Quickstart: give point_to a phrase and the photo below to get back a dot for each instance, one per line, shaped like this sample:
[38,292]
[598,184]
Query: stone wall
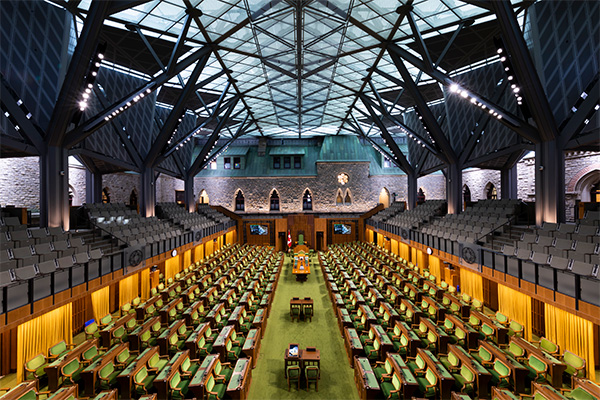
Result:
[120,186]
[20,182]
[478,179]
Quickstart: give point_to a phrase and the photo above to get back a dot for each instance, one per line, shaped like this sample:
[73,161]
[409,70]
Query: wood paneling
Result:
[18,314]
[43,304]
[537,317]
[490,293]
[528,288]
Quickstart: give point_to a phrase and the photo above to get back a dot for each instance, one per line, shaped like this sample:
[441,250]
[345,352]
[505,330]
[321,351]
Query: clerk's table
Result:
[301,267]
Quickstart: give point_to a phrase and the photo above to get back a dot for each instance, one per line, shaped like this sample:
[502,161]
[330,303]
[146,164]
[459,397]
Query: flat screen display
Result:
[259,230]
[342,229]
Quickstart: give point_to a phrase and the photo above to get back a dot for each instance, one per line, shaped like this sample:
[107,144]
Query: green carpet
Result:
[337,378]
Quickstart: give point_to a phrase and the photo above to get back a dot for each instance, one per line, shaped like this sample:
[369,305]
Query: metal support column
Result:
[93,187]
[190,203]
[549,183]
[411,187]
[454,188]
[148,196]
[54,187]
[508,182]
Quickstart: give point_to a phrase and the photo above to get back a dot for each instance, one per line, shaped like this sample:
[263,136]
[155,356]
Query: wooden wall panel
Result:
[43,304]
[336,238]
[260,240]
[321,226]
[281,225]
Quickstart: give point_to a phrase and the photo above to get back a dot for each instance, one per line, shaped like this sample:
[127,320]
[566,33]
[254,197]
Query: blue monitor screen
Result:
[342,229]
[259,230]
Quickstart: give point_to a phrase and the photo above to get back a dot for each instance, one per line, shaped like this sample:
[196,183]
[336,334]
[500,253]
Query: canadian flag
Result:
[289,240]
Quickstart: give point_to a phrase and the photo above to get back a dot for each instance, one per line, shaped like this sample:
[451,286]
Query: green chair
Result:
[35,367]
[182,331]
[515,329]
[448,326]
[517,351]
[465,379]
[484,357]
[106,320]
[579,394]
[417,365]
[501,318]
[575,364]
[451,362]
[90,355]
[500,374]
[119,335]
[428,384]
[146,339]
[178,388]
[215,390]
[189,367]
[549,347]
[312,374]
[107,376]
[383,368]
[58,350]
[232,352]
[308,313]
[431,341]
[460,336]
[70,372]
[130,325]
[372,350]
[223,371]
[125,308]
[124,358]
[293,375]
[157,362]
[204,348]
[91,331]
[143,382]
[295,311]
[538,368]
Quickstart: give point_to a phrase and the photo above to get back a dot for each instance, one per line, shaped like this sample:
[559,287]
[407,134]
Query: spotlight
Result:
[502,58]
[454,88]
[499,51]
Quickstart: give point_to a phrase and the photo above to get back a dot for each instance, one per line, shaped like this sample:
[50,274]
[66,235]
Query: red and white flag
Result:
[289,240]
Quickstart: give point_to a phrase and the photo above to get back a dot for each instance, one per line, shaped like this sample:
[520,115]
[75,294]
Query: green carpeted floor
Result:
[337,378]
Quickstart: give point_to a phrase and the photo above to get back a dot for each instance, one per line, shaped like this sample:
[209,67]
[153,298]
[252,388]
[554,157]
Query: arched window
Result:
[384,197]
[347,199]
[339,201]
[203,199]
[466,194]
[274,201]
[133,199]
[105,195]
[239,201]
[490,191]
[307,201]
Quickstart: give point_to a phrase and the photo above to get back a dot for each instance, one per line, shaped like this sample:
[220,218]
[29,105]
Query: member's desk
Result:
[442,338]
[24,390]
[355,299]
[375,298]
[546,392]
[365,284]
[189,294]
[239,383]
[125,378]
[434,309]
[310,354]
[141,310]
[414,342]
[198,383]
[393,295]
[164,338]
[410,312]
[337,302]
[482,375]
[228,298]
[366,315]
[587,385]
[344,319]
[301,268]
[108,395]
[107,333]
[169,311]
[66,393]
[354,347]
[365,379]
[161,382]
[220,343]
[90,373]
[445,379]
[503,394]
[234,317]
[260,321]
[170,291]
[134,337]
[53,370]
[209,297]
[471,335]
[195,337]
[500,332]
[555,367]
[408,380]
[215,314]
[413,293]
[193,312]
[251,345]
[388,313]
[301,303]
[519,372]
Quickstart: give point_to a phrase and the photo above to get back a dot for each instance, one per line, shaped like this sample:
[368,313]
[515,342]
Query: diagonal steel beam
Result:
[175,115]
[422,48]
[388,139]
[90,126]
[591,139]
[122,5]
[485,4]
[65,105]
[181,39]
[358,129]
[202,157]
[240,131]
[584,111]
[428,118]
[524,68]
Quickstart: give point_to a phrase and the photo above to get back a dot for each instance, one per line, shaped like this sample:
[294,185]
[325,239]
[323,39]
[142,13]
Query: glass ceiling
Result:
[298,65]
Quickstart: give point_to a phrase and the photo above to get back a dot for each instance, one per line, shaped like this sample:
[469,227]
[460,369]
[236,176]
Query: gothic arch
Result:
[73,196]
[490,192]
[274,200]
[239,201]
[339,200]
[466,194]
[106,195]
[384,197]
[347,198]
[585,183]
[307,200]
[203,197]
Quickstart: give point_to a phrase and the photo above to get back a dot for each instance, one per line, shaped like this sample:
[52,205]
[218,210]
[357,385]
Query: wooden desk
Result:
[302,303]
[365,284]
[547,392]
[500,332]
[239,383]
[388,313]
[169,311]
[187,292]
[445,379]
[53,370]
[370,318]
[503,394]
[209,296]
[260,322]
[385,343]
[265,302]
[161,382]
[247,297]
[135,343]
[228,298]
[166,293]
[219,345]
[409,382]
[338,302]
[303,356]
[214,314]
[301,267]
[472,336]
[439,311]
[90,373]
[192,341]
[356,299]
[413,293]
[66,393]
[555,367]
[141,310]
[375,297]
[251,345]
[481,374]
[221,283]
[125,378]
[393,295]
[196,307]
[353,345]
[238,284]
[587,385]
[198,382]
[519,372]
[108,395]
[382,282]
[21,390]
[443,338]
[163,339]
[410,312]
[106,334]
[365,379]
[234,317]
[414,342]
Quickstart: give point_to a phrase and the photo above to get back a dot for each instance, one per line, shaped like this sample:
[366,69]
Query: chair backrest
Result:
[57,348]
[174,381]
[69,368]
[453,359]
[421,364]
[537,364]
[516,350]
[186,364]
[210,384]
[123,356]
[431,377]
[432,337]
[516,327]
[485,354]
[574,362]
[106,370]
[146,335]
[501,368]
[35,362]
[90,353]
[549,346]
[91,328]
[140,375]
[467,373]
[106,319]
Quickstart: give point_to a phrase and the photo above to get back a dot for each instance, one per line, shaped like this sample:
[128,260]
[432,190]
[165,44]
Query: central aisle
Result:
[337,378]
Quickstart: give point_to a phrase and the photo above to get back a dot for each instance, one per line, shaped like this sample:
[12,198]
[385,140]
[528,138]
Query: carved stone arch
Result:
[586,184]
[203,197]
[348,198]
[490,192]
[339,199]
[239,200]
[384,197]
[274,200]
[307,200]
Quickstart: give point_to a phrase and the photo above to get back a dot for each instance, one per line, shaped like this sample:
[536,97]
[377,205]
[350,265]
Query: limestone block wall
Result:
[478,179]
[20,182]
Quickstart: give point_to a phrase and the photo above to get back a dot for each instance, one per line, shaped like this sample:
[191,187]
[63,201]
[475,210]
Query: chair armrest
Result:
[379,363]
[395,391]
[228,364]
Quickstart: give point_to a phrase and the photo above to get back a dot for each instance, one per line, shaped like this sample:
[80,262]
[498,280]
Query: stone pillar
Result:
[190,203]
[454,188]
[93,185]
[549,183]
[508,182]
[148,195]
[411,180]
[54,188]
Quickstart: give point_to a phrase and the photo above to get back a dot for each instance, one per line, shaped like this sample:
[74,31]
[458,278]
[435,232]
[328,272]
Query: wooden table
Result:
[239,383]
[125,378]
[314,356]
[140,311]
[198,381]
[260,321]
[107,332]
[500,332]
[219,345]
[301,267]
[134,337]
[409,382]
[251,346]
[22,389]
[90,373]
[519,372]
[163,339]
[307,301]
[445,379]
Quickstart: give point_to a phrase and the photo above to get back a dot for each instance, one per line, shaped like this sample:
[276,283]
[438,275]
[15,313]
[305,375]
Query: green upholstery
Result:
[448,326]
[189,368]
[515,328]
[125,308]
[119,335]
[70,371]
[503,319]
[372,351]
[204,348]
[312,374]
[91,331]
[182,331]
[131,324]
[581,394]
[90,355]
[223,370]
[293,375]
[156,328]
[107,319]
[488,331]
[517,351]
[150,310]
[460,335]
[136,302]
[431,341]
[215,390]
[428,384]
[422,332]
[142,381]
[466,379]
[392,387]
[300,239]
[157,363]
[401,346]
[57,350]
[539,367]
[382,368]
[233,352]
[500,374]
[124,358]
[484,356]
[548,346]
[474,321]
[451,362]
[178,388]
[108,376]
[575,364]
[35,367]
[417,365]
